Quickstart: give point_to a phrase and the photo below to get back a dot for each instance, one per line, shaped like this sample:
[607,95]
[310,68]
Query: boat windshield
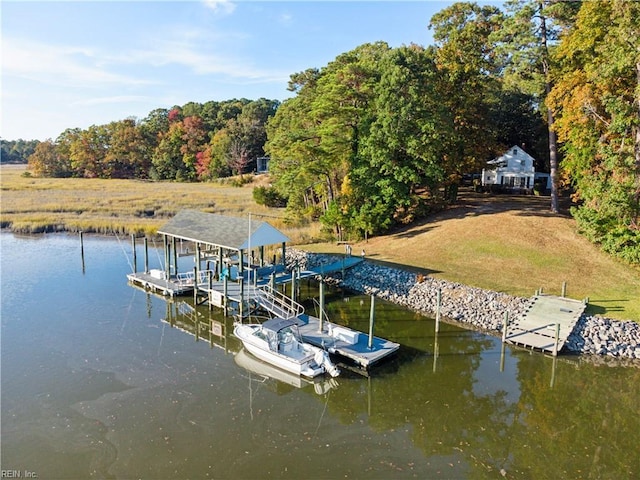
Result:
[289,334]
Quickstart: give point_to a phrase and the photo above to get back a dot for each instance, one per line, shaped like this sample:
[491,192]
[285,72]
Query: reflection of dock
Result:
[546,324]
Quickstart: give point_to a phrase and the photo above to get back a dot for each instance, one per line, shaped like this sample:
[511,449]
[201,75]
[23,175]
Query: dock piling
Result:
[225,289]
[557,340]
[321,322]
[135,257]
[564,289]
[505,324]
[372,320]
[438,307]
[82,250]
[146,255]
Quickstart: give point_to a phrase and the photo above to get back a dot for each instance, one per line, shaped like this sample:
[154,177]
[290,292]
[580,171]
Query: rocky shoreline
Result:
[474,308]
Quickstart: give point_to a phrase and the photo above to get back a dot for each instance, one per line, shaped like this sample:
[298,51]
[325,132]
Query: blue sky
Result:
[77,64]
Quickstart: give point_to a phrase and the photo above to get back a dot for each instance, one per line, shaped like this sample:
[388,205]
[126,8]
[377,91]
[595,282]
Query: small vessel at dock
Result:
[278,342]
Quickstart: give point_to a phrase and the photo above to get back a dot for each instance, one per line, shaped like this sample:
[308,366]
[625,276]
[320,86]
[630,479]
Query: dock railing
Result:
[277,303]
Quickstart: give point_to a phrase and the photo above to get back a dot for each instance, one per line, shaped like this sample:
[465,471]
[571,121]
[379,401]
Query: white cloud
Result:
[224,7]
[57,64]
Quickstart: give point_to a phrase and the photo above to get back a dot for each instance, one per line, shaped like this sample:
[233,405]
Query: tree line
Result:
[382,136]
[193,142]
[16,151]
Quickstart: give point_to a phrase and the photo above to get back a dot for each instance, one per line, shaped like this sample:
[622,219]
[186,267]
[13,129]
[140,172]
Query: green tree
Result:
[167,161]
[405,143]
[466,58]
[315,137]
[16,151]
[218,152]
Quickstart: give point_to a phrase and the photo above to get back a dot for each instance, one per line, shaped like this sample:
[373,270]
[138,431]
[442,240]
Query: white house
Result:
[514,170]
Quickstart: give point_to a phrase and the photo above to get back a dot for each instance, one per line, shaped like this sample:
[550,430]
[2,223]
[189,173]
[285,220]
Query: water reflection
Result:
[100,379]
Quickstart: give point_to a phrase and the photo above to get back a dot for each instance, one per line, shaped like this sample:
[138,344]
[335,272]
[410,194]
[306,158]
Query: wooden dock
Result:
[345,342]
[546,324]
[155,281]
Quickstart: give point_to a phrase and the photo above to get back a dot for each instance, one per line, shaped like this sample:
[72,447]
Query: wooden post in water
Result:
[505,324]
[133,249]
[557,339]
[146,255]
[241,296]
[436,351]
[225,301]
[195,285]
[293,283]
[82,250]
[165,243]
[564,289]
[175,255]
[210,278]
[502,352]
[438,306]
[372,312]
[321,324]
[198,258]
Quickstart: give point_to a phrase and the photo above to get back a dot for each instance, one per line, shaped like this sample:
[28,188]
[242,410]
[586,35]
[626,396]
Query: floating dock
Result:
[156,281]
[546,324]
[345,342]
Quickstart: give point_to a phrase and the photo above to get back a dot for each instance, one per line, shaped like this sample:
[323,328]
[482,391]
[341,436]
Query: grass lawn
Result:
[513,245]
[505,243]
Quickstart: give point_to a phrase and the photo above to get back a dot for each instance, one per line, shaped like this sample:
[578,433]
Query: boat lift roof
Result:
[277,324]
[222,231]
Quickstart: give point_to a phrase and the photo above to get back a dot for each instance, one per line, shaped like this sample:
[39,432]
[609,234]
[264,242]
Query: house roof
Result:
[222,231]
[502,158]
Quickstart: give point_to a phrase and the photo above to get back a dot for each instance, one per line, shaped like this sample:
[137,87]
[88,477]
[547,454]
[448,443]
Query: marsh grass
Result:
[115,206]
[516,249]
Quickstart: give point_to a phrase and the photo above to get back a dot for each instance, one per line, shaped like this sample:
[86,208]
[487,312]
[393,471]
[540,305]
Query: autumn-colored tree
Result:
[527,40]
[88,151]
[127,155]
[45,161]
[598,97]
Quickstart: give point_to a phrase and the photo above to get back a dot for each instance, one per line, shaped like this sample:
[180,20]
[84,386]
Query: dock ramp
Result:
[546,325]
[276,303]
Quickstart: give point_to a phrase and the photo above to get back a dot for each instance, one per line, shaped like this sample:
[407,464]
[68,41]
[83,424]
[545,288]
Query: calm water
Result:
[102,380]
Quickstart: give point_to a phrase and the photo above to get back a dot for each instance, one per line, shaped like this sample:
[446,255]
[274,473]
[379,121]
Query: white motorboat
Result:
[278,342]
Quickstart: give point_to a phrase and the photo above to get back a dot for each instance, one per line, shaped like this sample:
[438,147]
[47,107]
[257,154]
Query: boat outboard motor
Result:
[322,358]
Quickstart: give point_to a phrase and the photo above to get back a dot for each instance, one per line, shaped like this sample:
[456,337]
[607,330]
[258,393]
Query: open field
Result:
[503,243]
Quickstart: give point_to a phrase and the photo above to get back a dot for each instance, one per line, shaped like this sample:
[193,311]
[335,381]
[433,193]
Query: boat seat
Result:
[346,335]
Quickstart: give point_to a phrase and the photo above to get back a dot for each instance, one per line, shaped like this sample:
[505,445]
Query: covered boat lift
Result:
[226,241]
